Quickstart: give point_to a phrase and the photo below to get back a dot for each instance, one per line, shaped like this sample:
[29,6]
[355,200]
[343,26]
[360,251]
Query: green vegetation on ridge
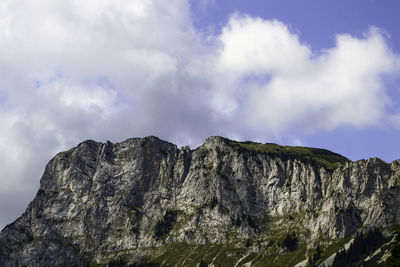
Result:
[321,157]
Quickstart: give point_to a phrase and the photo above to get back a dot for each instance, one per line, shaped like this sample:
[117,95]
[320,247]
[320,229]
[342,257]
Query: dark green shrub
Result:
[290,242]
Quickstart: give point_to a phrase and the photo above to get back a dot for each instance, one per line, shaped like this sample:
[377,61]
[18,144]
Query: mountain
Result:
[144,202]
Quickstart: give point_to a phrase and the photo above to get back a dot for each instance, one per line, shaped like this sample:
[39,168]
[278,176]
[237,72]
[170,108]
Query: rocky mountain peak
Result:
[215,141]
[143,200]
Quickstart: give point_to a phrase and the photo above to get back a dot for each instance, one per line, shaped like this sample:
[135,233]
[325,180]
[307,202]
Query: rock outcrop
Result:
[146,201]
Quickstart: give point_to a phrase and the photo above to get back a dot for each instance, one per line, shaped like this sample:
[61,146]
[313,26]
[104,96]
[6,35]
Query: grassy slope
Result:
[321,157]
[270,251]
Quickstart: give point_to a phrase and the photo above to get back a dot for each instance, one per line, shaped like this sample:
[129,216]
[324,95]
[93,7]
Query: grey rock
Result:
[101,199]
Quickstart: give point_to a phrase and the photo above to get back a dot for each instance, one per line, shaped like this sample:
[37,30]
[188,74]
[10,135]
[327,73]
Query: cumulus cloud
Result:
[289,87]
[100,69]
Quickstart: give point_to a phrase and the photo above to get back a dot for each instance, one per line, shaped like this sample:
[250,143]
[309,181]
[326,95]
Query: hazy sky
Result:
[301,72]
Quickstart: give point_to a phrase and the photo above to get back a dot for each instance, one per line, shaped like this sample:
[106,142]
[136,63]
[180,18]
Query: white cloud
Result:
[101,69]
[256,46]
[290,88]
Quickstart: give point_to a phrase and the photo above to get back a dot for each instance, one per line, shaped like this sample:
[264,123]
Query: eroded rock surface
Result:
[101,201]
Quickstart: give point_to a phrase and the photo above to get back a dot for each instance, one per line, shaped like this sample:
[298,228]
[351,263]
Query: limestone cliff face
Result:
[101,201]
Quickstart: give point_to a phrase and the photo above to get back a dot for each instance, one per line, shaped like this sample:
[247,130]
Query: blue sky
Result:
[314,73]
[317,22]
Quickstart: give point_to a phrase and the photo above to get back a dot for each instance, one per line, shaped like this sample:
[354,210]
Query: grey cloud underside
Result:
[99,200]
